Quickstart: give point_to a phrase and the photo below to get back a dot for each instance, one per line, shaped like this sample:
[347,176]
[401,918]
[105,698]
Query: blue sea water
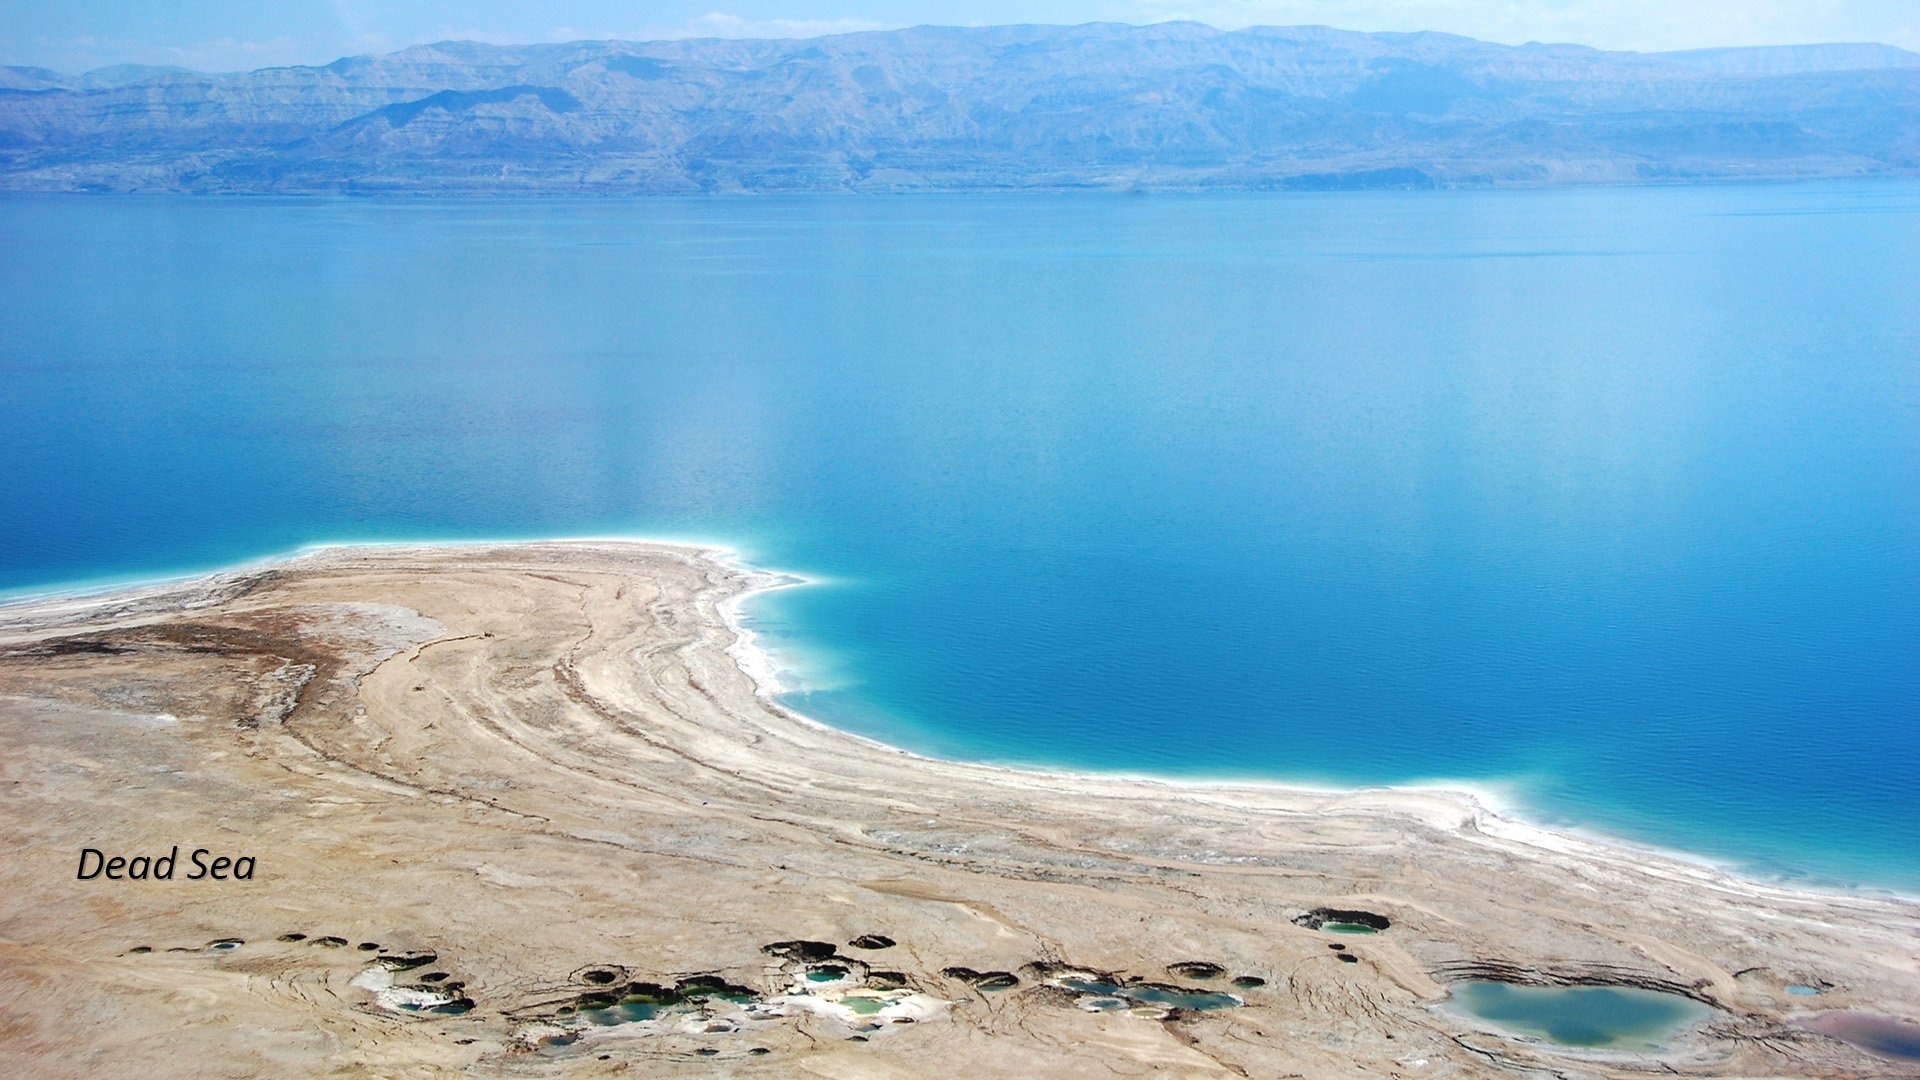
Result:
[1609,498]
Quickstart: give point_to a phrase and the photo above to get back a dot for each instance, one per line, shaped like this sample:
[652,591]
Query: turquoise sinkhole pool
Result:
[625,1012]
[1596,1017]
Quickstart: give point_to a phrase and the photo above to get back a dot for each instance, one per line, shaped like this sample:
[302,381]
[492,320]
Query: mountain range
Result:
[1167,106]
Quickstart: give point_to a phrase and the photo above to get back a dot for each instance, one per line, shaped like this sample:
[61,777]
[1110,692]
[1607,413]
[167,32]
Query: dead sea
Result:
[520,810]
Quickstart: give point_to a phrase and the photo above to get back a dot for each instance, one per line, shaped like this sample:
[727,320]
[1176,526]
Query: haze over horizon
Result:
[1112,106]
[229,35]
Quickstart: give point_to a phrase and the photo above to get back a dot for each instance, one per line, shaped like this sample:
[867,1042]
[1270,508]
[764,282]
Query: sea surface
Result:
[1607,500]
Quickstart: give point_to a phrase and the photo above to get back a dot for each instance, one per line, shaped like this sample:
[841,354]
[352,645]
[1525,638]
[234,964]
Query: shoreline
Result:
[1479,801]
[518,773]
[1479,798]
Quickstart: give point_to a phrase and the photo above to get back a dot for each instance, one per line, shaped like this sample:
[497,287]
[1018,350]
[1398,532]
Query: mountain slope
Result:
[1171,105]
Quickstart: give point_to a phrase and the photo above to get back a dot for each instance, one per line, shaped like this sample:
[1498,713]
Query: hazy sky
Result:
[73,35]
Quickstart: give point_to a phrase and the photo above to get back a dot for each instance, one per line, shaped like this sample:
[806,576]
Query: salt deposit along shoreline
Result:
[549,767]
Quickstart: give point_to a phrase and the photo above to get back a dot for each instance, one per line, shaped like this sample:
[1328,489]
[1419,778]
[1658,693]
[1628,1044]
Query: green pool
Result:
[1609,1017]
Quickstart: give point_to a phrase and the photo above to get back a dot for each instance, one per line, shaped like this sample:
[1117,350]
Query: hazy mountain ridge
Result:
[1172,105]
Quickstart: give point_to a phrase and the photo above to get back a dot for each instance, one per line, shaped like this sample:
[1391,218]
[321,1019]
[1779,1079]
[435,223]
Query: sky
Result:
[233,35]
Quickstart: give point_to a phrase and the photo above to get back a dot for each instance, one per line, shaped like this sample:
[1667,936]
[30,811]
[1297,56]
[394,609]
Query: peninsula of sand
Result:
[519,810]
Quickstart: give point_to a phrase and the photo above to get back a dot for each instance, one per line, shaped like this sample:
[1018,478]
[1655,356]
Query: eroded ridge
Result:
[519,810]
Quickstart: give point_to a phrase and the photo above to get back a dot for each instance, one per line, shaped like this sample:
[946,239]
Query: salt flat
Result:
[496,793]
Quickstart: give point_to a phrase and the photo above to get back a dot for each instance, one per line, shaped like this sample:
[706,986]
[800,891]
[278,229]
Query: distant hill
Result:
[1795,59]
[1174,105]
[31,78]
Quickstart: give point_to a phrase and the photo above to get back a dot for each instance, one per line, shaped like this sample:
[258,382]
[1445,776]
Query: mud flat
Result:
[519,811]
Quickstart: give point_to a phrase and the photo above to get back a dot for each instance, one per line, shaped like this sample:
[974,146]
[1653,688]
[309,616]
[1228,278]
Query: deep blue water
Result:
[1610,497]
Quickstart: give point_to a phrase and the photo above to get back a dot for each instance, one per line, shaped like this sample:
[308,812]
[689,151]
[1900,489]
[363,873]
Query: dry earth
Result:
[481,785]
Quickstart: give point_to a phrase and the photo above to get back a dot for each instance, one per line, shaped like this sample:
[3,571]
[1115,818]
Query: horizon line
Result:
[696,38]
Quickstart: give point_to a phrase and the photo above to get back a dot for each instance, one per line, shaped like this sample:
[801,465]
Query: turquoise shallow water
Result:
[1608,498]
[1599,1017]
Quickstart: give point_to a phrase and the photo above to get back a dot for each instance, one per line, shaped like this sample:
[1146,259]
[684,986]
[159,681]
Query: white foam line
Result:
[1489,808]
[747,652]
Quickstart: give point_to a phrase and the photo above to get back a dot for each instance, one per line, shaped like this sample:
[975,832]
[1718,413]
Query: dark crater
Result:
[408,961]
[872,941]
[801,950]
[982,980]
[643,993]
[1046,969]
[695,987]
[1196,969]
[1320,917]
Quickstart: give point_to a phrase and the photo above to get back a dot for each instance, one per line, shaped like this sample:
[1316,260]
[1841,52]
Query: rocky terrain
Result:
[1021,107]
[519,811]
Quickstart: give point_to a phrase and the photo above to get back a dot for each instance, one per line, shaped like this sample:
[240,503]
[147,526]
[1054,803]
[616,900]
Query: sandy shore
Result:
[482,786]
